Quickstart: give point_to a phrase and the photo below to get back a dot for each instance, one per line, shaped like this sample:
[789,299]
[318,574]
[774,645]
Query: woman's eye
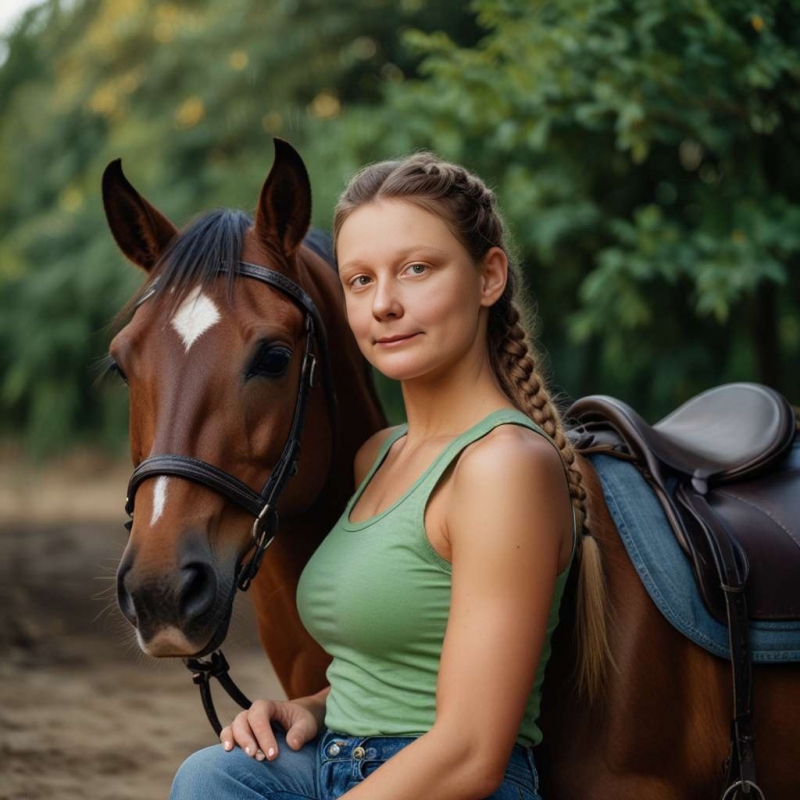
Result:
[271,362]
[357,280]
[412,268]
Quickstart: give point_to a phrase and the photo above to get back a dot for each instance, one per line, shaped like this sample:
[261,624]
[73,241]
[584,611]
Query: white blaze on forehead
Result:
[197,313]
[159,499]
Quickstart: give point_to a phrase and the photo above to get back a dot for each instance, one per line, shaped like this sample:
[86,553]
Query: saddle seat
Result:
[726,432]
[732,445]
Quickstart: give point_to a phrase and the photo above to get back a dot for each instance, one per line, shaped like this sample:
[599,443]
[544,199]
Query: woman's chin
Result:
[410,375]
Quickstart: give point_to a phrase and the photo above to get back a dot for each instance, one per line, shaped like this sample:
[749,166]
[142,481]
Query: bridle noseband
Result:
[261,505]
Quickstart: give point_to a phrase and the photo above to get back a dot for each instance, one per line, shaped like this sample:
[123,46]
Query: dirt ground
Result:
[83,713]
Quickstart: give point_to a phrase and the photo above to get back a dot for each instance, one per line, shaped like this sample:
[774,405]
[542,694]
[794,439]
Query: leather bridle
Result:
[261,505]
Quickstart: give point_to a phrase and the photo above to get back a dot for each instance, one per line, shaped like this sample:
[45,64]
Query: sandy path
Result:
[83,714]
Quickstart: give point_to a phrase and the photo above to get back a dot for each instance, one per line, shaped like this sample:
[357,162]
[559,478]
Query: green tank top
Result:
[376,596]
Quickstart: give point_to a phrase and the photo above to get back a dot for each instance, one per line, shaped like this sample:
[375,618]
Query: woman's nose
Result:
[385,301]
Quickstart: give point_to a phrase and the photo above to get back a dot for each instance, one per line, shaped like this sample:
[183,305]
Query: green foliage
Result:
[189,95]
[645,153]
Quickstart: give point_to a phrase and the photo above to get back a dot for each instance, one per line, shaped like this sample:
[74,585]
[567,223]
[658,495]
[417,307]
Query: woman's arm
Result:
[509,513]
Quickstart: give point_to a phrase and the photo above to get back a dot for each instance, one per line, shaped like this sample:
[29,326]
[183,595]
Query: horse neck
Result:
[359,408]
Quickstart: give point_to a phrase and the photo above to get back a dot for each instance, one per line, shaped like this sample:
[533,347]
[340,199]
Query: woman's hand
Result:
[252,729]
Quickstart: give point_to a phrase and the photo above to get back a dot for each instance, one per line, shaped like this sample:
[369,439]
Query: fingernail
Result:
[248,750]
[271,752]
[227,745]
[260,755]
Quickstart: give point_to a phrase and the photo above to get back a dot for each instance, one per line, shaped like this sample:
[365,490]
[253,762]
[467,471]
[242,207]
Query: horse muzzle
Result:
[183,611]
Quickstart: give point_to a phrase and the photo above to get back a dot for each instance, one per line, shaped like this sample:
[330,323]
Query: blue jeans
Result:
[325,768]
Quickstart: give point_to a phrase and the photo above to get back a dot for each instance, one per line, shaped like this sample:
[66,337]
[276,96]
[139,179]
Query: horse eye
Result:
[271,361]
[114,367]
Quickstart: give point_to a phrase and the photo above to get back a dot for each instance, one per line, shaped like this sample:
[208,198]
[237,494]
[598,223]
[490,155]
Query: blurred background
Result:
[646,154]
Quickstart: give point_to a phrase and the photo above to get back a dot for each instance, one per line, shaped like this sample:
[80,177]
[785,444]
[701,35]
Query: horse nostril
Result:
[197,590]
[124,599]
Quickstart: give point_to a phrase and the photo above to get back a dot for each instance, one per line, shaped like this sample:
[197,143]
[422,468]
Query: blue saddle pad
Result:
[667,573]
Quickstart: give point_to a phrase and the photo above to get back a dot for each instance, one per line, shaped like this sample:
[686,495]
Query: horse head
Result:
[213,361]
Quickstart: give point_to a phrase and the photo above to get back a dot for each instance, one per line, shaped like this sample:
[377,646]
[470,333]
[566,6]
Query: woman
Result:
[438,589]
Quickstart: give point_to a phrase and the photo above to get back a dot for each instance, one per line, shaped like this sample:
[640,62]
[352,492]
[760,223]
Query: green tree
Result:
[189,96]
[647,155]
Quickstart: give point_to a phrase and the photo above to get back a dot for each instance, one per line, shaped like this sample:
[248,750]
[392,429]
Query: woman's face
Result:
[406,275]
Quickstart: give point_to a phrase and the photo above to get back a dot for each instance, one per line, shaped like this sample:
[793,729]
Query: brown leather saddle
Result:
[724,470]
[730,444]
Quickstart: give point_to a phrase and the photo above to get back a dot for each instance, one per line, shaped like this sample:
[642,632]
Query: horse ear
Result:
[140,229]
[284,207]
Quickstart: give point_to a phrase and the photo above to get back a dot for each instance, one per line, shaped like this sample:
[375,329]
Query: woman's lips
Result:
[396,342]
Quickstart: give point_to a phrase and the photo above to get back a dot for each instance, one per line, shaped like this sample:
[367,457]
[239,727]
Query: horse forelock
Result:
[192,261]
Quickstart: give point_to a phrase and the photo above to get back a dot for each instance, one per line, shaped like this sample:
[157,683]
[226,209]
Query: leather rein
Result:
[261,505]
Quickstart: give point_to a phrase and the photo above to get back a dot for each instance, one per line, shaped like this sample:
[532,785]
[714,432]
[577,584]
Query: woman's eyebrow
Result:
[399,255]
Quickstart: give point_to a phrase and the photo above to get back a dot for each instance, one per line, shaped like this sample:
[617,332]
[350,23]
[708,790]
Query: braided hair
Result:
[469,209]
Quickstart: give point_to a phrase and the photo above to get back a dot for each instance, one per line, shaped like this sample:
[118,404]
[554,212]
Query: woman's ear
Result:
[494,274]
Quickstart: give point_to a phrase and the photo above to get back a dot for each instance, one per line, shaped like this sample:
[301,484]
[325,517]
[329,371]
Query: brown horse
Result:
[661,730]
[205,381]
[213,363]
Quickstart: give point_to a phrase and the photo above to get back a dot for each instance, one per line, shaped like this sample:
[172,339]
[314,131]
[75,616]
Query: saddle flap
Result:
[670,577]
[764,515]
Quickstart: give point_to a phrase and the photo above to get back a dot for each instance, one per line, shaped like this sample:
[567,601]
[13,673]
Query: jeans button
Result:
[333,750]
[358,752]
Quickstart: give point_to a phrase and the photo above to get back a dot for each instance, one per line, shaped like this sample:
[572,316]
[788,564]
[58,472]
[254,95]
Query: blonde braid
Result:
[514,364]
[514,358]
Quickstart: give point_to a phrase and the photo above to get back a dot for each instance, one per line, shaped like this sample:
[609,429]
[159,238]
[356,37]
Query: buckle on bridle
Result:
[310,365]
[264,529]
[259,526]
[743,787]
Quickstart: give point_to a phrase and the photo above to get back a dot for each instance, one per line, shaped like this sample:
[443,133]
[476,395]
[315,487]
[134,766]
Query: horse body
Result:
[661,729]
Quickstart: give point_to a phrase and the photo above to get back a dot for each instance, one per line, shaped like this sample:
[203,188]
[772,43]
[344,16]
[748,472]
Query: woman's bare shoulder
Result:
[513,474]
[514,442]
[514,457]
[368,452]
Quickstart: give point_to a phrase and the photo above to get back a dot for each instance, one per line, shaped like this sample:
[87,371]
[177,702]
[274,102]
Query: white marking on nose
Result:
[169,641]
[159,498]
[195,316]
